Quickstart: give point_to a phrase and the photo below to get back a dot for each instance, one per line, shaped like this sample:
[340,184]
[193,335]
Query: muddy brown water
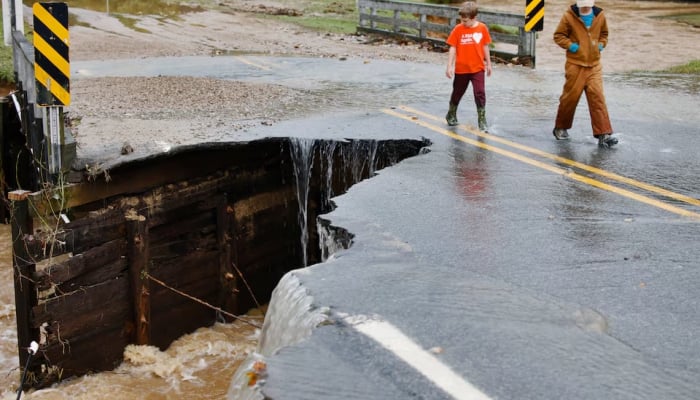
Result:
[197,366]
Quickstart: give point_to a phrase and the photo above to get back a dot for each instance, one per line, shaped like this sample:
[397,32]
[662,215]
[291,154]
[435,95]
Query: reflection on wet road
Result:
[412,115]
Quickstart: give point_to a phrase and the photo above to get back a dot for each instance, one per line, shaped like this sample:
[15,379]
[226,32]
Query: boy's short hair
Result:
[468,9]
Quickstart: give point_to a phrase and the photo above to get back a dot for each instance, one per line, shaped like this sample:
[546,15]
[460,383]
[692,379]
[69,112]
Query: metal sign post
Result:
[12,19]
[53,129]
[52,74]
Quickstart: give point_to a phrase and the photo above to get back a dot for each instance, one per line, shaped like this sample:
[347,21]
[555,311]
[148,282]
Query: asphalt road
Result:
[504,265]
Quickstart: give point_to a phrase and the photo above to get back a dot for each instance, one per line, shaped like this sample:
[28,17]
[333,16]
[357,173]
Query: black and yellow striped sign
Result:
[534,15]
[51,43]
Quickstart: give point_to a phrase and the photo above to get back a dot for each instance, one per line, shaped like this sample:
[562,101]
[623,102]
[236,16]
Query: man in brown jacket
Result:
[583,33]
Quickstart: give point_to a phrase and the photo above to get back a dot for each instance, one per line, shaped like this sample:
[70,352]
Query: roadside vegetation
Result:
[692,68]
[7,68]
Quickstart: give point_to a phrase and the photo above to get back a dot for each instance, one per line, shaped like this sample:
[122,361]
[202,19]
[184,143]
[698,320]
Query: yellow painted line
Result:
[547,167]
[563,160]
[246,61]
[52,55]
[57,90]
[52,23]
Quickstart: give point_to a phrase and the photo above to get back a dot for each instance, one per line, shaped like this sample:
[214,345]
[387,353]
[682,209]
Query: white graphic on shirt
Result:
[471,38]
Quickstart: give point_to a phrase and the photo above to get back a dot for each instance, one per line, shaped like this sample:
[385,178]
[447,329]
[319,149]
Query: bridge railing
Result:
[432,23]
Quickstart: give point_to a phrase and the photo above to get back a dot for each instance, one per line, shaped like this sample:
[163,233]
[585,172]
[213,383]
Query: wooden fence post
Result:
[139,257]
[417,21]
[23,269]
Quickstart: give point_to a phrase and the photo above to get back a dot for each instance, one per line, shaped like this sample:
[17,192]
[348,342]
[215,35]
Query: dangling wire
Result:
[33,347]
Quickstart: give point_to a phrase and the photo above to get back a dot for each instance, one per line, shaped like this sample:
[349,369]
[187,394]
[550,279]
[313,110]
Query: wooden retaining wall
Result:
[433,23]
[195,221]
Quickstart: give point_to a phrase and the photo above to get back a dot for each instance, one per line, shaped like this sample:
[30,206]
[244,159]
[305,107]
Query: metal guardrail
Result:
[432,23]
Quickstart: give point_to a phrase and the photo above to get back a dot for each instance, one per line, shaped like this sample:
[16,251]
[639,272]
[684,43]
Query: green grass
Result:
[322,24]
[690,19]
[692,68]
[7,69]
[511,30]
[136,7]
[334,16]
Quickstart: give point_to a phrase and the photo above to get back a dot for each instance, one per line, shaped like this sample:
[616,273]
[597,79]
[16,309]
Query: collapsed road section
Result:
[156,248]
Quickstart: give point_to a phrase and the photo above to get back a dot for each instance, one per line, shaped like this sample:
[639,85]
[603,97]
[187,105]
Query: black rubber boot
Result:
[451,116]
[606,141]
[481,112]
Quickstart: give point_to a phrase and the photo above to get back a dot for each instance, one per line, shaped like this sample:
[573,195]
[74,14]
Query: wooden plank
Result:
[113,270]
[80,264]
[78,235]
[164,299]
[168,324]
[85,306]
[267,225]
[248,206]
[185,224]
[65,327]
[413,8]
[178,165]
[181,273]
[97,351]
[172,250]
[170,214]
[505,38]
[23,269]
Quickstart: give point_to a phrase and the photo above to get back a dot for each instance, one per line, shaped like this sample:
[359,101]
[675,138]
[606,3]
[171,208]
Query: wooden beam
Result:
[23,269]
[138,254]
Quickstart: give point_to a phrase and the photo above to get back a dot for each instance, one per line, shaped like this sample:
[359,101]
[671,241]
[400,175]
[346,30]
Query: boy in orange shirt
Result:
[469,60]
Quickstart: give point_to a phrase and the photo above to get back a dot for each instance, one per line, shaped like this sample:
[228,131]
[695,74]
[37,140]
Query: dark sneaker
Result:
[560,134]
[606,141]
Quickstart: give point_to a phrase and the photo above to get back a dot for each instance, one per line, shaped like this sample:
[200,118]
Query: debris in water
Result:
[258,372]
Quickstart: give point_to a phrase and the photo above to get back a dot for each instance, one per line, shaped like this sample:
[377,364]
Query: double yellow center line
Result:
[260,65]
[420,118]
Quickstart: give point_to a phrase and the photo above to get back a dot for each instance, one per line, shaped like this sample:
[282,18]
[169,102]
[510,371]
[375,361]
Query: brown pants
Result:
[578,80]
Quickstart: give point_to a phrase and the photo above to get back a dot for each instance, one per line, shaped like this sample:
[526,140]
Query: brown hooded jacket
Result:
[571,29]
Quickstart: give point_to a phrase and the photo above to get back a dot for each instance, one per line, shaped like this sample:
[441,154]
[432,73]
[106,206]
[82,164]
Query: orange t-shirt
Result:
[469,43]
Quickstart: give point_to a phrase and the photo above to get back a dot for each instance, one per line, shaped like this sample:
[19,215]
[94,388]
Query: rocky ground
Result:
[141,111]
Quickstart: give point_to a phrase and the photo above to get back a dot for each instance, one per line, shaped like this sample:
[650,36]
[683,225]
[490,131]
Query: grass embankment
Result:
[691,68]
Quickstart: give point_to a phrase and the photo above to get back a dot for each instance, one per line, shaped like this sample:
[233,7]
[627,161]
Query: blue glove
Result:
[600,47]
[573,47]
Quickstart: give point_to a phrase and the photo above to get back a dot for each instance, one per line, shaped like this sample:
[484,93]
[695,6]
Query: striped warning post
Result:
[51,44]
[534,15]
